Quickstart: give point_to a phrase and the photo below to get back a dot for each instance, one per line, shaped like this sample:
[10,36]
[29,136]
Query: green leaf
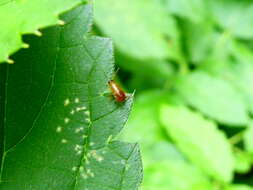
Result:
[143,125]
[135,29]
[229,14]
[198,44]
[174,175]
[206,46]
[193,10]
[27,17]
[214,97]
[240,72]
[200,140]
[243,161]
[239,187]
[234,66]
[159,68]
[58,127]
[248,141]
[164,165]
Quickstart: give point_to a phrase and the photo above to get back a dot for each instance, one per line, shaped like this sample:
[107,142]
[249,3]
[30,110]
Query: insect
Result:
[118,93]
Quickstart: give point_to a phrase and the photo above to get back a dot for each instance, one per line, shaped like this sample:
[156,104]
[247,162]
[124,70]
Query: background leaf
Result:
[200,140]
[234,12]
[211,95]
[148,39]
[158,177]
[239,187]
[190,9]
[28,17]
[164,165]
[248,141]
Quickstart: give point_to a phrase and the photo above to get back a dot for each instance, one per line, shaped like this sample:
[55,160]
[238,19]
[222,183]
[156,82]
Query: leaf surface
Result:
[239,187]
[199,140]
[62,134]
[164,165]
[27,17]
[135,29]
[190,9]
[247,138]
[229,15]
[214,97]
[169,174]
[240,72]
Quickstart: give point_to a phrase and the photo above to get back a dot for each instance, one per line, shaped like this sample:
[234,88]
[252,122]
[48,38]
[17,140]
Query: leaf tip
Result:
[37,33]
[25,46]
[61,22]
[10,61]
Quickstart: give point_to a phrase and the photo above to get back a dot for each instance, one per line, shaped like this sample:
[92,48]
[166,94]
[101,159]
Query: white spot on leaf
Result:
[66,120]
[66,102]
[77,100]
[72,112]
[81,108]
[58,129]
[77,130]
[87,113]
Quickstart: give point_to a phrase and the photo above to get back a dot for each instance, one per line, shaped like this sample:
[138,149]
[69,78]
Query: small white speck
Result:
[58,129]
[92,143]
[80,108]
[60,22]
[92,174]
[87,162]
[100,159]
[37,33]
[77,100]
[66,120]
[72,112]
[127,166]
[24,45]
[78,147]
[81,168]
[10,61]
[79,152]
[109,139]
[84,176]
[95,155]
[66,102]
[88,120]
[77,130]
[87,113]
[74,168]
[84,136]
[64,141]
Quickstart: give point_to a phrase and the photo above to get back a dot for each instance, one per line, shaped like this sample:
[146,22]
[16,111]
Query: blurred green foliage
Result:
[191,62]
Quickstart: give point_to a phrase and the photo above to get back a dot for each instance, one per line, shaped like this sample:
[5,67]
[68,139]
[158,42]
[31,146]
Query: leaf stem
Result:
[236,138]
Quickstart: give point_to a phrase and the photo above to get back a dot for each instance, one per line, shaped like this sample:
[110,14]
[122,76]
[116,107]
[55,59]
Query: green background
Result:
[191,64]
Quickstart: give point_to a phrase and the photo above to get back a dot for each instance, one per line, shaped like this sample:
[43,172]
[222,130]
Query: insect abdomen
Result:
[118,93]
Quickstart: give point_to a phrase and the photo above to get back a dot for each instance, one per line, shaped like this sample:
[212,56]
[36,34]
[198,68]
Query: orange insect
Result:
[118,93]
